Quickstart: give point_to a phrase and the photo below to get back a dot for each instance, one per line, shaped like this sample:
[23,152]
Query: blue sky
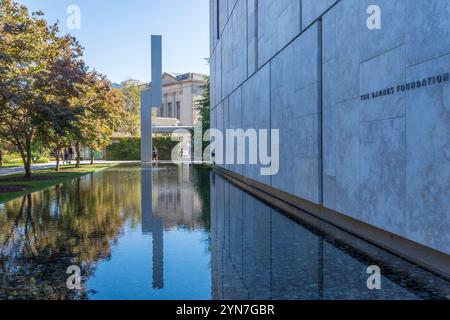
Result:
[116,33]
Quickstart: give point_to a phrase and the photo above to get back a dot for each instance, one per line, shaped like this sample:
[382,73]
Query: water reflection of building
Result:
[259,253]
[168,201]
[175,200]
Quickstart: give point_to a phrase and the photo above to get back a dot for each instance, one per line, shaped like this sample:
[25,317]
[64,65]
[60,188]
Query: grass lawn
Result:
[11,165]
[13,186]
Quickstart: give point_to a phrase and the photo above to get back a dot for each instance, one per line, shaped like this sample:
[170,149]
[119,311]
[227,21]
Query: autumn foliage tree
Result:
[101,116]
[62,85]
[46,91]
[26,45]
[131,120]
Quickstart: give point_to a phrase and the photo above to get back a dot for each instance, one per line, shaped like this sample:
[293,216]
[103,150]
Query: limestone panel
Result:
[384,72]
[212,25]
[344,42]
[216,75]
[212,81]
[428,154]
[347,156]
[234,46]
[252,40]
[220,152]
[213,119]
[341,94]
[226,125]
[329,122]
[382,162]
[313,9]
[231,5]
[278,24]
[427,30]
[238,21]
[394,23]
[235,123]
[295,112]
[227,60]
[222,14]
[256,113]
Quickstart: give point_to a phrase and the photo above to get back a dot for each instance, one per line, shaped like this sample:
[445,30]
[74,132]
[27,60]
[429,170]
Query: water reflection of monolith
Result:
[152,225]
[158,253]
[146,200]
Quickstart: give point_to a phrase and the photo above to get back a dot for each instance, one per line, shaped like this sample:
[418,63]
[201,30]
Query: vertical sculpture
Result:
[156,71]
[151,224]
[151,99]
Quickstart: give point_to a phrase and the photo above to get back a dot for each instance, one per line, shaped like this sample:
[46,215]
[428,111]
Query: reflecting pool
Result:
[182,232]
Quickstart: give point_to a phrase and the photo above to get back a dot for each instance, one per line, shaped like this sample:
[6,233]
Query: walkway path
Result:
[14,170]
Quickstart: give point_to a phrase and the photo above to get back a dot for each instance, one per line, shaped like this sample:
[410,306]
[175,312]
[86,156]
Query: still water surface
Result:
[184,233]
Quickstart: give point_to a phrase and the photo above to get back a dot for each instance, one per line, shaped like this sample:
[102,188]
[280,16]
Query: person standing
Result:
[155,154]
[65,156]
[1,159]
[70,154]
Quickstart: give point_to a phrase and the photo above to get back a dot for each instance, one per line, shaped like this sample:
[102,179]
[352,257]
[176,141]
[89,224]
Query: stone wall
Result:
[313,70]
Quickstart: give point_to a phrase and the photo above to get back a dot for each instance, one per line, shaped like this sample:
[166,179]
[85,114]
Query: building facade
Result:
[363,111]
[181,92]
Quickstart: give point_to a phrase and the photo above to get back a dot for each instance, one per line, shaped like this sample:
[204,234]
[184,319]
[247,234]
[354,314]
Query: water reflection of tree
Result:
[201,182]
[72,224]
[201,176]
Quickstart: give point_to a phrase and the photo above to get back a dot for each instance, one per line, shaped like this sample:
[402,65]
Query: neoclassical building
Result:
[181,92]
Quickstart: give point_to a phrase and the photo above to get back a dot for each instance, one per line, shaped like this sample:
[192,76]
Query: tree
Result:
[131,97]
[46,91]
[55,141]
[204,108]
[63,83]
[37,76]
[101,115]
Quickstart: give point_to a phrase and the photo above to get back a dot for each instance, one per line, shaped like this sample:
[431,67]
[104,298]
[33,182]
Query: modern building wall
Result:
[305,67]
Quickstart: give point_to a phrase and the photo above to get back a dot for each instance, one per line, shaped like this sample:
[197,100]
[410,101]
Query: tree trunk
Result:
[57,154]
[92,156]
[27,167]
[77,149]
[26,158]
